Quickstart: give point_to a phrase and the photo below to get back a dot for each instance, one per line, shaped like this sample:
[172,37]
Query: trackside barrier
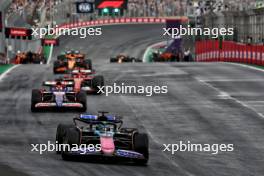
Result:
[211,51]
[118,21]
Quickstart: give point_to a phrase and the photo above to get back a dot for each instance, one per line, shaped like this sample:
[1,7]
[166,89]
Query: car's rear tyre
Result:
[72,138]
[61,133]
[88,64]
[137,60]
[113,60]
[35,98]
[141,145]
[81,97]
[98,81]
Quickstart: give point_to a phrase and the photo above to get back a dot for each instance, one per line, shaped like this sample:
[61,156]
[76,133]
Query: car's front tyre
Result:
[141,145]
[35,98]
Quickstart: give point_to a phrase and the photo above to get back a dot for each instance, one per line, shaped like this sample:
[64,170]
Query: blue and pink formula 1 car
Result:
[105,132]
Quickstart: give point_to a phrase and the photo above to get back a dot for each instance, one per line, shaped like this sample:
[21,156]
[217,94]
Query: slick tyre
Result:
[98,81]
[71,138]
[141,145]
[35,98]
[138,60]
[81,97]
[112,60]
[61,133]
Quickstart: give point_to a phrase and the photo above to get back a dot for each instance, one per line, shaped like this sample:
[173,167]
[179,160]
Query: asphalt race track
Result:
[206,103]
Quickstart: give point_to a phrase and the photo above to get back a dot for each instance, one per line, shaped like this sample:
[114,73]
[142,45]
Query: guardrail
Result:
[117,21]
[229,51]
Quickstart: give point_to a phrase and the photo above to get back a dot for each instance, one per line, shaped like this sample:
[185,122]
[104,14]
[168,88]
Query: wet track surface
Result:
[206,103]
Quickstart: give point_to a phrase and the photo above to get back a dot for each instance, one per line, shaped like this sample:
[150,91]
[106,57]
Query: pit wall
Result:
[229,51]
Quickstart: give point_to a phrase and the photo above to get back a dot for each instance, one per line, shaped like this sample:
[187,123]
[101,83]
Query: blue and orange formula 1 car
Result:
[71,60]
[58,97]
[84,80]
[105,131]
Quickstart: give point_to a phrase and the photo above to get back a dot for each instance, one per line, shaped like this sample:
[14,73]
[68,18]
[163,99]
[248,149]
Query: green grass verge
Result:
[257,66]
[5,67]
[46,51]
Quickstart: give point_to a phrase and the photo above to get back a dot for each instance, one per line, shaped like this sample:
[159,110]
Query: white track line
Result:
[232,80]
[2,76]
[50,54]
[248,66]
[227,96]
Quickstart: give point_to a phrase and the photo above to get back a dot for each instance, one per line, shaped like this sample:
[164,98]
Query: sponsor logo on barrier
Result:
[84,7]
[13,32]
[100,4]
[45,42]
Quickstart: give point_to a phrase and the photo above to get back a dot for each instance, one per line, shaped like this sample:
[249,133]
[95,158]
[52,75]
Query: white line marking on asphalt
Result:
[231,98]
[232,80]
[156,140]
[248,66]
[255,101]
[2,76]
[50,54]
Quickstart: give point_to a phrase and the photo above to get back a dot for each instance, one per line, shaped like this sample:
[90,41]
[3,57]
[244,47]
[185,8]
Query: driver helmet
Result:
[59,85]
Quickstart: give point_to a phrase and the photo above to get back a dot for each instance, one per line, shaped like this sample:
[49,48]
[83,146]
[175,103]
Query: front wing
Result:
[118,154]
[43,105]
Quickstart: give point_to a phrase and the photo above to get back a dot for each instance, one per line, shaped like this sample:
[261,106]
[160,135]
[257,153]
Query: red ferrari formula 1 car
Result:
[58,97]
[71,60]
[83,80]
